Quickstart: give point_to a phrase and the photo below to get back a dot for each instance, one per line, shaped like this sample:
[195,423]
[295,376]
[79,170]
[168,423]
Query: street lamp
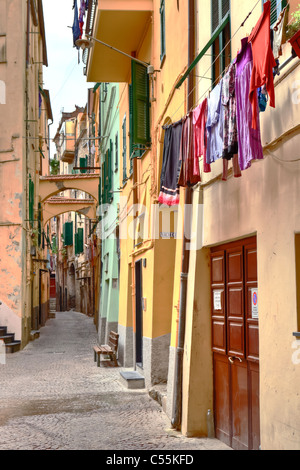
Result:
[87,43]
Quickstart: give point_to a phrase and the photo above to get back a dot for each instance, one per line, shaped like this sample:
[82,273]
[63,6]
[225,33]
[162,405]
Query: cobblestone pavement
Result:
[53,396]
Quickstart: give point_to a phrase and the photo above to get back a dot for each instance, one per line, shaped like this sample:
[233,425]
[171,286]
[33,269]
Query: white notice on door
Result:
[254,302]
[217,300]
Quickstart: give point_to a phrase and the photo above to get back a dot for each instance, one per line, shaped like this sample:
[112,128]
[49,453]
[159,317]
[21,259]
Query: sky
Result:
[64,75]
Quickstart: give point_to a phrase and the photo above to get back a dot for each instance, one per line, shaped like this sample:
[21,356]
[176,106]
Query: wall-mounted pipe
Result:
[177,399]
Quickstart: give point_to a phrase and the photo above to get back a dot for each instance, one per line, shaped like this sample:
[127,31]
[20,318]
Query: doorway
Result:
[235,349]
[138,314]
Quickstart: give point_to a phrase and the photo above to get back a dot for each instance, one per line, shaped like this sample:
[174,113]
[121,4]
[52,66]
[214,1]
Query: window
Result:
[162,30]
[139,108]
[276,7]
[124,149]
[68,233]
[107,190]
[117,152]
[220,58]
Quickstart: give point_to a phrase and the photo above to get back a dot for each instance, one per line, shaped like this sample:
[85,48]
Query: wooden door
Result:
[235,344]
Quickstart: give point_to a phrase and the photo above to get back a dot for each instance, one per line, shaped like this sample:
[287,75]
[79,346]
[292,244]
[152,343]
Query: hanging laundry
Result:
[235,165]
[262,96]
[169,189]
[81,16]
[263,61]
[249,138]
[214,125]
[279,36]
[230,141]
[200,138]
[75,27]
[189,172]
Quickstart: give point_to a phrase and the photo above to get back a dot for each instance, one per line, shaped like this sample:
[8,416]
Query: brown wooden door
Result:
[235,344]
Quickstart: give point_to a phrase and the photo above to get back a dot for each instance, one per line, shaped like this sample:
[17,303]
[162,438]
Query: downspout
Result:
[177,401]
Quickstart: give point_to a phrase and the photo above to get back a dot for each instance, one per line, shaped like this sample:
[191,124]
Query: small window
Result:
[162,30]
[221,48]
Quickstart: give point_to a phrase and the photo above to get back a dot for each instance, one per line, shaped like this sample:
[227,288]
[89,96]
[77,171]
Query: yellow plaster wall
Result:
[264,201]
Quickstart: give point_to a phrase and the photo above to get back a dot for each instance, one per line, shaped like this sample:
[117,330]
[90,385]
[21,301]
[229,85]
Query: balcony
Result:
[68,148]
[121,24]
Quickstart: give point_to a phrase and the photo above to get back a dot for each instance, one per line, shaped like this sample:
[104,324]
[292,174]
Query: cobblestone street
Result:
[53,396]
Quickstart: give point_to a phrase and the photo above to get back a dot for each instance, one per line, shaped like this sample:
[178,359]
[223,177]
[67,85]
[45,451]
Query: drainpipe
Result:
[177,401]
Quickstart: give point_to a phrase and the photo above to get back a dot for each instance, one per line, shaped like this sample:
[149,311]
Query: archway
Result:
[53,185]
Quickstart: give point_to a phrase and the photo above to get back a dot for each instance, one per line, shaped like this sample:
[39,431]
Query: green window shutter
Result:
[110,171]
[83,163]
[100,191]
[31,201]
[76,243]
[140,104]
[80,240]
[131,146]
[116,152]
[124,150]
[276,7]
[162,30]
[68,233]
[40,224]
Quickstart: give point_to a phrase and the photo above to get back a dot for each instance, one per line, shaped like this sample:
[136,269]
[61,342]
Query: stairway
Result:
[11,345]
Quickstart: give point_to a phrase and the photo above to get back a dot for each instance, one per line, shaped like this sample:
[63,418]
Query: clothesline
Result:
[226,124]
[212,64]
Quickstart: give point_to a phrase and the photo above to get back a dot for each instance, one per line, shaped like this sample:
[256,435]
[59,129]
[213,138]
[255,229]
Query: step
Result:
[8,338]
[13,347]
[3,330]
[34,334]
[132,379]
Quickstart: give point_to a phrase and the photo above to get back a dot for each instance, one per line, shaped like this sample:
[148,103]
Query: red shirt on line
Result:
[263,60]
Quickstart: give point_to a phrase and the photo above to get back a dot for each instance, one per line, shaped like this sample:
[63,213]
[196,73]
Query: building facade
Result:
[24,156]
[209,281]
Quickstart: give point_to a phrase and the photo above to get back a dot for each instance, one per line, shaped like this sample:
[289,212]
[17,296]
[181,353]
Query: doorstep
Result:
[132,379]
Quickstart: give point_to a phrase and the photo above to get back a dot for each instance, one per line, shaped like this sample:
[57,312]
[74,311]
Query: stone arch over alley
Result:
[55,206]
[53,185]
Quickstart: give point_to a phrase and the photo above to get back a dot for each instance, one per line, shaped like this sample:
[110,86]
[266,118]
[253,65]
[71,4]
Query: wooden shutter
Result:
[124,150]
[110,171]
[68,233]
[131,144]
[140,103]
[80,240]
[162,30]
[215,16]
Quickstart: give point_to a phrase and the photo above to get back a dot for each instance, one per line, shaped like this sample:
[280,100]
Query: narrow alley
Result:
[54,397]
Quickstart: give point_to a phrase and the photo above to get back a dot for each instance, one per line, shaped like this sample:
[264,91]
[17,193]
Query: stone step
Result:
[3,330]
[12,347]
[8,338]
[132,379]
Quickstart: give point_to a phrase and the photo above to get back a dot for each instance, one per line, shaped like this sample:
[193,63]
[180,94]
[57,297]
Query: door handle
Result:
[231,359]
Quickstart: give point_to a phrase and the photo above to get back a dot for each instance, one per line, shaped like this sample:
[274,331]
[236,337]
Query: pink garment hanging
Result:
[200,137]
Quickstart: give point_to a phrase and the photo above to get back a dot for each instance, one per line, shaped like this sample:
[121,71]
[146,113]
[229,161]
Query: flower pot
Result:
[295,43]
